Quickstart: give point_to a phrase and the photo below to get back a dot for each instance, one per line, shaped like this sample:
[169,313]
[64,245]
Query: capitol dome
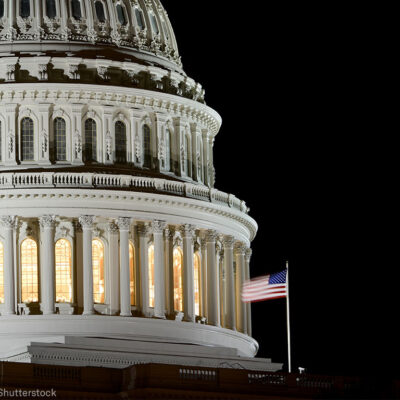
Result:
[115,246]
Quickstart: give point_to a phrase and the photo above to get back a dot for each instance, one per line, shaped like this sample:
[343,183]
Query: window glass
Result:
[178,288]
[63,271]
[29,272]
[154,24]
[90,148]
[121,15]
[197,283]
[51,9]
[27,140]
[25,8]
[120,142]
[76,9]
[98,271]
[60,139]
[139,18]
[151,276]
[132,271]
[1,8]
[101,16]
[147,146]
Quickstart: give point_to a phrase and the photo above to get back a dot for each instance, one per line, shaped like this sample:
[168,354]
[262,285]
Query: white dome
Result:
[133,28]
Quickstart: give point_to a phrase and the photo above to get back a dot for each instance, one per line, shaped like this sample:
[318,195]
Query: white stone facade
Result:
[110,225]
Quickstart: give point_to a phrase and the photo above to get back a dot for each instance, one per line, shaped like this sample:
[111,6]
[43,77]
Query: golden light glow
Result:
[132,272]
[151,276]
[29,271]
[63,271]
[98,271]
[1,273]
[197,283]
[178,289]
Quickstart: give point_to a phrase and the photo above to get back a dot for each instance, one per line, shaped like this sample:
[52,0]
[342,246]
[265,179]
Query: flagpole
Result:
[288,318]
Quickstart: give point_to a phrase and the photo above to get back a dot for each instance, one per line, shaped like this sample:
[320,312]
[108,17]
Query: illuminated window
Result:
[25,8]
[51,10]
[90,149]
[60,140]
[63,271]
[29,271]
[178,289]
[151,276]
[147,146]
[197,283]
[120,142]
[27,140]
[1,273]
[98,271]
[132,273]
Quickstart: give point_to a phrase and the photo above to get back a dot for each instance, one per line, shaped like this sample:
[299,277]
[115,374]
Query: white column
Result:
[114,275]
[187,232]
[241,320]
[87,227]
[159,268]
[9,224]
[169,270]
[212,280]
[143,232]
[230,315]
[10,132]
[204,307]
[77,140]
[47,250]
[124,225]
[247,277]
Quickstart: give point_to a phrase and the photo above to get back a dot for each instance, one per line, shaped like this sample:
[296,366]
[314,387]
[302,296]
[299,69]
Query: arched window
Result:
[151,276]
[29,271]
[178,287]
[120,142]
[98,271]
[76,9]
[51,10]
[63,271]
[140,19]
[1,273]
[27,140]
[1,8]
[101,16]
[147,146]
[121,15]
[60,140]
[90,148]
[132,273]
[25,8]
[154,24]
[197,283]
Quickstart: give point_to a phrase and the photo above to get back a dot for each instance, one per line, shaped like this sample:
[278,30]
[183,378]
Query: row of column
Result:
[236,313]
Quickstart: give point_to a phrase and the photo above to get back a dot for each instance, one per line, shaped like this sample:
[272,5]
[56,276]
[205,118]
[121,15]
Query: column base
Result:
[125,314]
[88,313]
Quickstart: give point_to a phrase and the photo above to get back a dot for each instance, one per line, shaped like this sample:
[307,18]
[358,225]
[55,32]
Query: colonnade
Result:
[224,263]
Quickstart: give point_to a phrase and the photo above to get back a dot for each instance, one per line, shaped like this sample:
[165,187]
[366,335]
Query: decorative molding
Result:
[87,221]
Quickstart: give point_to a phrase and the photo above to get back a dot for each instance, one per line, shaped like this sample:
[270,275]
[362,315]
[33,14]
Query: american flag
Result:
[267,287]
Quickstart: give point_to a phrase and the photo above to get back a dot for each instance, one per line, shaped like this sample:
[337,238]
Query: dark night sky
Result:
[287,82]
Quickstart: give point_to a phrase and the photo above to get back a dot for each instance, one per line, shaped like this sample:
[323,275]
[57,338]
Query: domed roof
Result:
[135,30]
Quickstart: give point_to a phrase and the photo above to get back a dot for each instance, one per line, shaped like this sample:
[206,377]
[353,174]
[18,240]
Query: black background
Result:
[289,81]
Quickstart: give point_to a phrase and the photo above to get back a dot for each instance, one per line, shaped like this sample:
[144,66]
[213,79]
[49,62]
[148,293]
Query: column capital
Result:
[248,254]
[169,233]
[87,221]
[8,221]
[158,226]
[240,248]
[187,230]
[47,221]
[124,223]
[211,236]
[112,227]
[228,241]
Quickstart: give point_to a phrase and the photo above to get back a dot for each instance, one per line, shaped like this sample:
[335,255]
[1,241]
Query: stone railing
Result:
[31,180]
